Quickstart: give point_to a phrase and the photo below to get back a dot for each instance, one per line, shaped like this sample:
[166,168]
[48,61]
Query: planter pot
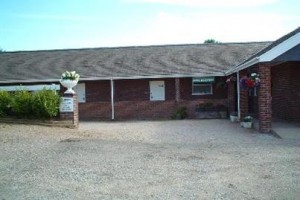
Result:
[69,84]
[223,114]
[233,118]
[246,124]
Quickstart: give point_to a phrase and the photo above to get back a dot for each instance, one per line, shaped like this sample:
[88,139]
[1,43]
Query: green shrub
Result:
[5,101]
[180,113]
[21,103]
[45,104]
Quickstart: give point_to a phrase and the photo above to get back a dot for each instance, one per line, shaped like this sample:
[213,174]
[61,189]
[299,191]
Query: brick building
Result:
[151,82]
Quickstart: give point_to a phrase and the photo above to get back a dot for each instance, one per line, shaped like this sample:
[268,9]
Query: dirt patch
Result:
[189,159]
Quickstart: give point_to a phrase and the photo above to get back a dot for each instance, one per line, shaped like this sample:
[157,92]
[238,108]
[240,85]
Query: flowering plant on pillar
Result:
[250,82]
[69,80]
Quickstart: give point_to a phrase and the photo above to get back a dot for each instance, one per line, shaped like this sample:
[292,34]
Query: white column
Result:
[112,86]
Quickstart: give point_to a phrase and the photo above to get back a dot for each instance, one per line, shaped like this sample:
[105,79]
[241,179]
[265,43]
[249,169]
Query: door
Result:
[157,90]
[80,91]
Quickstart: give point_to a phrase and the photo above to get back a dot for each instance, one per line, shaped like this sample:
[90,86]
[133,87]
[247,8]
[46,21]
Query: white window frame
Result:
[202,84]
[81,95]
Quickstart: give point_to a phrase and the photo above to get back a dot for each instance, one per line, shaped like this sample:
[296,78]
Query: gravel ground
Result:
[189,159]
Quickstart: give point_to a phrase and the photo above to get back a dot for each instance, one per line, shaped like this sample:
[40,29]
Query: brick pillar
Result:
[244,93]
[69,109]
[231,97]
[265,98]
[177,90]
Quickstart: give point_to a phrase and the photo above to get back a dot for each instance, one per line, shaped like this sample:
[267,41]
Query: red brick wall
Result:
[286,91]
[265,98]
[244,104]
[132,99]
[95,110]
[138,90]
[144,109]
[232,96]
[97,91]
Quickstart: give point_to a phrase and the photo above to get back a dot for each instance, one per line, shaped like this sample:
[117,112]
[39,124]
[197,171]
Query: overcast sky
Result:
[60,24]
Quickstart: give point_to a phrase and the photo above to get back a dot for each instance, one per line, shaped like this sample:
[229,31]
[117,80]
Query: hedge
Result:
[23,104]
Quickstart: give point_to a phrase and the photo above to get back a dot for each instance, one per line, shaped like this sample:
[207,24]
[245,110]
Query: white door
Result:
[80,91]
[157,90]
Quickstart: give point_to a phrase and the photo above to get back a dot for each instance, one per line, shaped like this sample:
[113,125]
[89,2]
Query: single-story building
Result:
[150,82]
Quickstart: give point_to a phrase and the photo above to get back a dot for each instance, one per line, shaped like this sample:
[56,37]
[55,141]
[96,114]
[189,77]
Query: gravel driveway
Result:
[189,159]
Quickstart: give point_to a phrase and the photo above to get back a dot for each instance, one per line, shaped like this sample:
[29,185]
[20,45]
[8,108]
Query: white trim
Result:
[202,84]
[245,65]
[280,48]
[30,87]
[112,87]
[32,81]
[118,78]
[270,55]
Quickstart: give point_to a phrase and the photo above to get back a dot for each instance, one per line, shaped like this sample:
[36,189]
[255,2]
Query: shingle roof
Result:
[144,61]
[273,44]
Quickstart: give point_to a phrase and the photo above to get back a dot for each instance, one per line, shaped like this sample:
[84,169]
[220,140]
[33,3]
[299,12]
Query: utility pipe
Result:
[112,86]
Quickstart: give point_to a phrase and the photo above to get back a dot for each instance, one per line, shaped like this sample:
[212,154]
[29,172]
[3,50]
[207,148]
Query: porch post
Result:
[265,98]
[238,94]
[177,90]
[243,101]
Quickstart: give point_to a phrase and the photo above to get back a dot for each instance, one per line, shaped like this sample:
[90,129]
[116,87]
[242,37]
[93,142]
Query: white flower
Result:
[73,73]
[67,75]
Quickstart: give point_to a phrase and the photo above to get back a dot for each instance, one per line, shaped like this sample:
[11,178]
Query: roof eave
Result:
[116,78]
[243,66]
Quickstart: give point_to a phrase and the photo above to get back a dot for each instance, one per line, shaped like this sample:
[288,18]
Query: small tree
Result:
[211,41]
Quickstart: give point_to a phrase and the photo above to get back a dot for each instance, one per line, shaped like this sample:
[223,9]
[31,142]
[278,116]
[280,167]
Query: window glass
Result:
[199,88]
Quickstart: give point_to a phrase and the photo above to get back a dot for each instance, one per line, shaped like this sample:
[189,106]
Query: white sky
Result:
[59,24]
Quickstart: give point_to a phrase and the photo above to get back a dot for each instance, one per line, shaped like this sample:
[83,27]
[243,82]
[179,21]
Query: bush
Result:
[5,101]
[45,104]
[180,113]
[23,104]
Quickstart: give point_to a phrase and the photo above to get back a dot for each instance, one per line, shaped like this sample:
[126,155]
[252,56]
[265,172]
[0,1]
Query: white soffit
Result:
[280,48]
[30,87]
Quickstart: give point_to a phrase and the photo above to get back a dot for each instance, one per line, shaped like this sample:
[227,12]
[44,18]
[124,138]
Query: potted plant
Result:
[250,82]
[69,80]
[234,117]
[247,122]
[222,110]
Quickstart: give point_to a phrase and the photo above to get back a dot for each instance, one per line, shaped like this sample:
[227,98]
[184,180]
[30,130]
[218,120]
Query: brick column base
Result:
[265,99]
[69,114]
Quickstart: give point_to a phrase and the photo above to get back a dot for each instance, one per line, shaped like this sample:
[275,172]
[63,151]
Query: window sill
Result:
[201,94]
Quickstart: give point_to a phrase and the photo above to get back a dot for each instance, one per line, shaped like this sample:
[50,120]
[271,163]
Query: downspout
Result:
[238,94]
[112,86]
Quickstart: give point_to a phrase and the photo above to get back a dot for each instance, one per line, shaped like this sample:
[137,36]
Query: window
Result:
[201,88]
